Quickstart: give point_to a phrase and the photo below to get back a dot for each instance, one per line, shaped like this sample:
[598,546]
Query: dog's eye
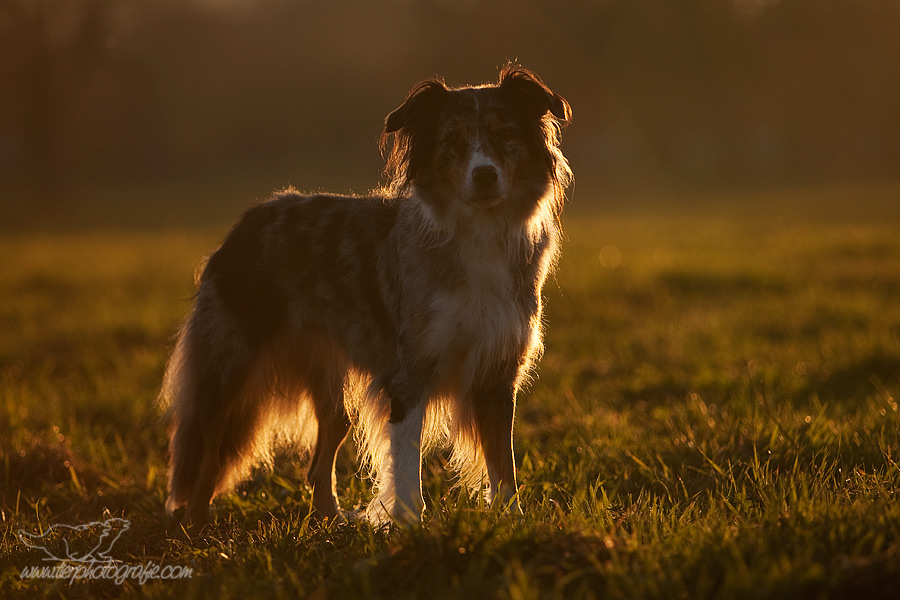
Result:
[507,134]
[455,142]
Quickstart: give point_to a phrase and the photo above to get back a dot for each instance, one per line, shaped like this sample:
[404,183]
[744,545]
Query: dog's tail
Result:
[227,405]
[222,411]
[179,397]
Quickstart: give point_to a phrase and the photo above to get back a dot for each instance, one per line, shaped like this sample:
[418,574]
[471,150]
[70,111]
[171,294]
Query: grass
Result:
[715,417]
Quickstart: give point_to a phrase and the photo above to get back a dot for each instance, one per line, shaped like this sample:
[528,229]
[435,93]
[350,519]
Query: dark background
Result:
[167,106]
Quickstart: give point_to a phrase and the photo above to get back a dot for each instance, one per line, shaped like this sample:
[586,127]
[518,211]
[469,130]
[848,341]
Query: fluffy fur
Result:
[414,312]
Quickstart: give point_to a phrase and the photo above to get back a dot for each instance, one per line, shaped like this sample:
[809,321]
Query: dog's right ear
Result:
[423,102]
[411,125]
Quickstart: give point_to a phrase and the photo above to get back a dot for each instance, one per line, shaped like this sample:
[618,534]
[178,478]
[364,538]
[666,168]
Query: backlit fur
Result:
[414,312]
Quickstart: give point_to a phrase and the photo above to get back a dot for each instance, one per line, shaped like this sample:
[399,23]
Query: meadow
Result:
[715,416]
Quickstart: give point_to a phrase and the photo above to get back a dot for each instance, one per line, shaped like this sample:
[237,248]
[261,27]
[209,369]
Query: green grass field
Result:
[715,417]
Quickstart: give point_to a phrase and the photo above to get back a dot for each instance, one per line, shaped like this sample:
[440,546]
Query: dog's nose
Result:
[485,176]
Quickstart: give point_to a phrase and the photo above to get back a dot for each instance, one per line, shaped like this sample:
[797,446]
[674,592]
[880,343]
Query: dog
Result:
[414,312]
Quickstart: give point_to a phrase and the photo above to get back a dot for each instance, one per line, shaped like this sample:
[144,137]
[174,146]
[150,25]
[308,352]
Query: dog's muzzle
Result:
[485,186]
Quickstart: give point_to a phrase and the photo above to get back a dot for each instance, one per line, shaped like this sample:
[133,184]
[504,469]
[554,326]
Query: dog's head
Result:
[491,148]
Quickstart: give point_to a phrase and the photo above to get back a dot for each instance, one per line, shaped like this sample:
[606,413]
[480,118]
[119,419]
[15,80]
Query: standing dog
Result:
[414,312]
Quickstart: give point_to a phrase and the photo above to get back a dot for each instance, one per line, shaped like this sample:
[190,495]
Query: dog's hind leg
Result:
[327,391]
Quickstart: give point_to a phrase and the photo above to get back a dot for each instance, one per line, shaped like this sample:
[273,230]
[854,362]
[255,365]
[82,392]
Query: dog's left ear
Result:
[531,95]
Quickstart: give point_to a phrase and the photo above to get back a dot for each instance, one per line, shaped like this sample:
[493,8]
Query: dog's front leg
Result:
[495,406]
[406,460]
[399,496]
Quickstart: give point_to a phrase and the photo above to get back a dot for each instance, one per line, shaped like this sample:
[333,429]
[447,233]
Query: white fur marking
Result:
[479,158]
[400,491]
[480,316]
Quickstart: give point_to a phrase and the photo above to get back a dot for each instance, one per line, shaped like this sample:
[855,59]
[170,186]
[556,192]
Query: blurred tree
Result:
[270,92]
[47,46]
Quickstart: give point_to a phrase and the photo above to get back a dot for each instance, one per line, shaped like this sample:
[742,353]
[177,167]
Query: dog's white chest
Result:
[478,317]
